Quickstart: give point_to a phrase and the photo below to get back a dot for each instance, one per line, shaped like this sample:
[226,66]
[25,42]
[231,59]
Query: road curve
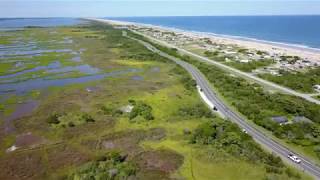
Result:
[241,73]
[306,165]
[307,97]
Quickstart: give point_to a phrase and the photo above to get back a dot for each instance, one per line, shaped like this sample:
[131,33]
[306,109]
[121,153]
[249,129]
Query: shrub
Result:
[274,161]
[109,166]
[197,110]
[188,83]
[185,78]
[228,136]
[71,124]
[204,134]
[272,169]
[211,53]
[54,118]
[132,102]
[292,174]
[87,118]
[141,109]
[106,110]
[117,112]
[300,81]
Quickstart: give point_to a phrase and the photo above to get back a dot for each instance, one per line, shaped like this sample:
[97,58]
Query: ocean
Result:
[303,31]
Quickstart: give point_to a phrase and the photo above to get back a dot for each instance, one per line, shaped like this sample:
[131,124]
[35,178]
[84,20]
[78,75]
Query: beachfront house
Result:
[301,119]
[244,60]
[274,72]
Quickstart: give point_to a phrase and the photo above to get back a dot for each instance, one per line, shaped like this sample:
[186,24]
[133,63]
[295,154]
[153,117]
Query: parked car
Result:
[294,158]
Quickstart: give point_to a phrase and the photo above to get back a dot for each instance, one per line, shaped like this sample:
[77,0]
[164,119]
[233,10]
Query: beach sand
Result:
[311,54]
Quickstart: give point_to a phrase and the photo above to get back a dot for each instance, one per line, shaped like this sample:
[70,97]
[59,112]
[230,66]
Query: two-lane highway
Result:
[308,97]
[246,75]
[306,165]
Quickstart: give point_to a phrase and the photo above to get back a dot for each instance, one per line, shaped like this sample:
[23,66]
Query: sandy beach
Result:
[311,54]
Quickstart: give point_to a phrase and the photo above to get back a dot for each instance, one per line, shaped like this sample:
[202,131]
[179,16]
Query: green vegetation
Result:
[1,107]
[188,82]
[243,50]
[5,67]
[141,109]
[90,134]
[300,81]
[290,59]
[5,40]
[197,110]
[247,67]
[222,134]
[69,119]
[211,53]
[111,166]
[215,55]
[252,65]
[111,111]
[262,105]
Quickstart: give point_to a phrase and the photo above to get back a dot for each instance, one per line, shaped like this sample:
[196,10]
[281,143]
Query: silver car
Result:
[294,158]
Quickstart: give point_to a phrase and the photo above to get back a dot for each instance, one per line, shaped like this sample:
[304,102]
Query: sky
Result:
[126,8]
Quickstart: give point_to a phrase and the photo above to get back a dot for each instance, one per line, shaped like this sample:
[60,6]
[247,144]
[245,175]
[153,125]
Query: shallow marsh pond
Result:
[34,59]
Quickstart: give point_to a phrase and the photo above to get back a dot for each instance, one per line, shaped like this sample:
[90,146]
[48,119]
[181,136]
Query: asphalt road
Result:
[307,97]
[283,89]
[306,165]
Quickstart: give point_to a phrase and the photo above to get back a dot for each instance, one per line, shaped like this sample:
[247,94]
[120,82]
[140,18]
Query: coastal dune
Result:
[311,54]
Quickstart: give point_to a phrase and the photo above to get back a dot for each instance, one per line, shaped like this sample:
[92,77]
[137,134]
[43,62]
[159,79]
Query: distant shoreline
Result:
[243,38]
[310,53]
[283,44]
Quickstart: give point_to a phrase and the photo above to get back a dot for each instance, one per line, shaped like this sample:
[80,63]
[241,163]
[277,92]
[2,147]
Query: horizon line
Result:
[44,17]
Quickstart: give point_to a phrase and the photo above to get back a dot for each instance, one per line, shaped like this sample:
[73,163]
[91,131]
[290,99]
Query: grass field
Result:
[83,130]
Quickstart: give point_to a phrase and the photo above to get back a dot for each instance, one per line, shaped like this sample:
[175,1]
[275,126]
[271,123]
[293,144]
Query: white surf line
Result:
[223,66]
[234,70]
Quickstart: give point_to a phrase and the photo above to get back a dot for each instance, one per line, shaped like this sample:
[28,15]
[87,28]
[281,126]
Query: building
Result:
[303,119]
[121,27]
[244,60]
[274,72]
[280,119]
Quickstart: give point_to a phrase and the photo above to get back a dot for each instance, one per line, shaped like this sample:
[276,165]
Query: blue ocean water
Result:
[43,22]
[298,30]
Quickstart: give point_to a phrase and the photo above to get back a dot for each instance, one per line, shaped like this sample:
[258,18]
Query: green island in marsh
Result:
[84,102]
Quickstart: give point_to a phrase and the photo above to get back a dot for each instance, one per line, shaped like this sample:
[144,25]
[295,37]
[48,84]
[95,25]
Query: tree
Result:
[231,138]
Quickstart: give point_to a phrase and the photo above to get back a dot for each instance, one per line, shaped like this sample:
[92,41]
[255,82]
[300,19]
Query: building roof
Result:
[301,119]
[279,119]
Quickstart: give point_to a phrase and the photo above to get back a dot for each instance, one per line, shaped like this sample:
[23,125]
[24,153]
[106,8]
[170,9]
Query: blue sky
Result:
[112,8]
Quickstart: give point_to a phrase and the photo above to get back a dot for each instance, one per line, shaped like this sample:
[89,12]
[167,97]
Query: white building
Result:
[244,60]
